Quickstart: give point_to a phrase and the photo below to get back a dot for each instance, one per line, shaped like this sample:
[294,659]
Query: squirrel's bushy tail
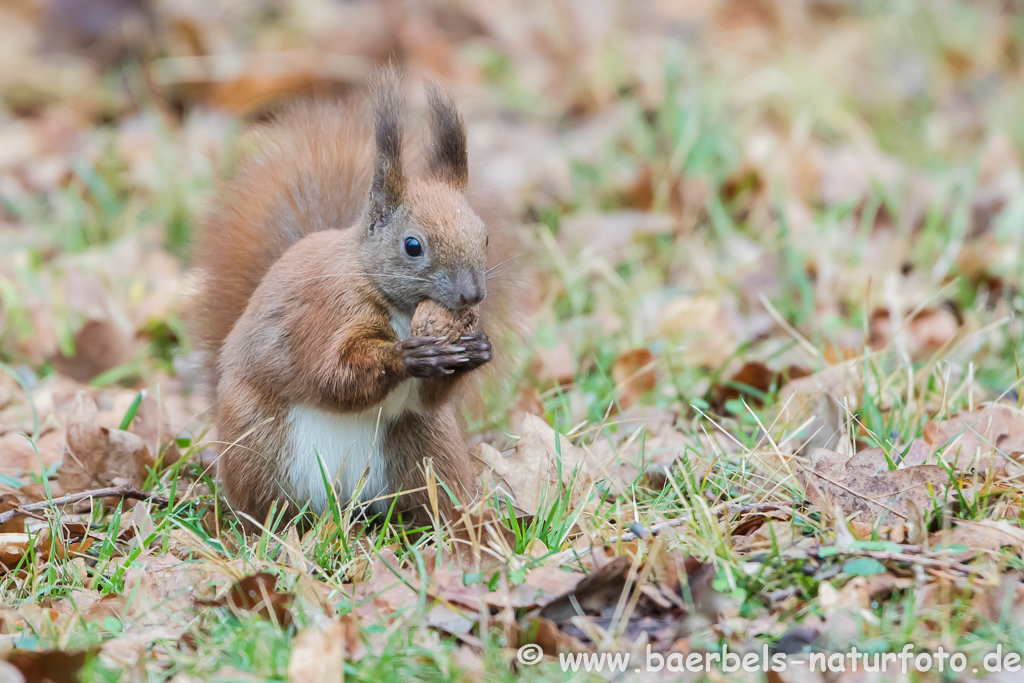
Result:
[306,171]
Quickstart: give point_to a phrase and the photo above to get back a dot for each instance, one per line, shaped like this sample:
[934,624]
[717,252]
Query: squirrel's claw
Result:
[431,357]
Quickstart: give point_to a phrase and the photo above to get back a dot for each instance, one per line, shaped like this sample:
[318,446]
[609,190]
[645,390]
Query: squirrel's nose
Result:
[471,290]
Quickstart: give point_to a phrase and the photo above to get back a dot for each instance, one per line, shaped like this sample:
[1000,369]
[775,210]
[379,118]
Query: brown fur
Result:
[303,269]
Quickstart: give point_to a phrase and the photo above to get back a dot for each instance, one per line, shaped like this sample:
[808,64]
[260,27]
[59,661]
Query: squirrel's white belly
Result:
[348,445]
[344,446]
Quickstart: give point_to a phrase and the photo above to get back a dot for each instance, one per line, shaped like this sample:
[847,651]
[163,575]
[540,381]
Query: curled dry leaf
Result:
[864,483]
[662,608]
[98,457]
[594,594]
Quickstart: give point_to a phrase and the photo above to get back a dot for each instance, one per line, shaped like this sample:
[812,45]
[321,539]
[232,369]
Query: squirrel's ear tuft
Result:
[447,153]
[388,188]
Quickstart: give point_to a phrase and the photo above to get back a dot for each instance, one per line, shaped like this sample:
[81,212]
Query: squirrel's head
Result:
[423,241]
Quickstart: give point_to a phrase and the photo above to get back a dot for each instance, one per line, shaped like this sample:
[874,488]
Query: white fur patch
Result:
[346,443]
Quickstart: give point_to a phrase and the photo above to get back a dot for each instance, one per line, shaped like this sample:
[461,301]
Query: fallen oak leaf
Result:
[865,484]
[931,330]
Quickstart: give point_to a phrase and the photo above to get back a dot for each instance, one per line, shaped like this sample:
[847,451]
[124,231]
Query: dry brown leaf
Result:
[984,536]
[16,525]
[546,634]
[98,456]
[257,594]
[556,365]
[70,540]
[100,345]
[703,324]
[531,472]
[864,483]
[450,619]
[18,456]
[389,585]
[981,438]
[757,376]
[817,402]
[151,423]
[928,332]
[635,375]
[48,666]
[161,595]
[594,594]
[13,547]
[319,655]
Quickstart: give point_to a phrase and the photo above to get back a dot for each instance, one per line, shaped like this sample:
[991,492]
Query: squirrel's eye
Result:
[413,247]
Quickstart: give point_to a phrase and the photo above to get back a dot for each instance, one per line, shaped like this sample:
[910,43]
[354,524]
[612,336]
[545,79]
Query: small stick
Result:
[653,530]
[112,492]
[936,562]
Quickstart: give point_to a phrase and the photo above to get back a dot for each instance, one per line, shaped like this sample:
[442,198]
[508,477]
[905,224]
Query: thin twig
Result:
[655,529]
[652,530]
[936,562]
[72,498]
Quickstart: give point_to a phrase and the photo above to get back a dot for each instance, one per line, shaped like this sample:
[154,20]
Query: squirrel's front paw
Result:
[478,349]
[433,357]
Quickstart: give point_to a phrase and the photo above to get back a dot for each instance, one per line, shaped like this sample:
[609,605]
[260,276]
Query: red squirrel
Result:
[314,258]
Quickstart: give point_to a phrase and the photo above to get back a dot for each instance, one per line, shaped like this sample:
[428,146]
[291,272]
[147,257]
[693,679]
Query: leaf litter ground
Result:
[770,395]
